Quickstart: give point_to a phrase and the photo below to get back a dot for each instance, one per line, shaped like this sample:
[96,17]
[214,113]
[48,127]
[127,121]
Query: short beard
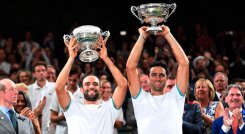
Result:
[158,89]
[90,97]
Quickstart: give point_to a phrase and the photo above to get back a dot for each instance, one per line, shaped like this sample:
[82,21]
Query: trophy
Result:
[87,37]
[153,13]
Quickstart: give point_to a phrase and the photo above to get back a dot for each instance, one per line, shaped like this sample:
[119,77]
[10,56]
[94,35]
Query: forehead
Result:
[201,83]
[219,77]
[144,77]
[38,67]
[157,69]
[90,79]
[234,90]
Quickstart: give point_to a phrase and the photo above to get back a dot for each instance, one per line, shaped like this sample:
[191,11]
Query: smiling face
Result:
[157,78]
[234,98]
[91,88]
[21,103]
[201,90]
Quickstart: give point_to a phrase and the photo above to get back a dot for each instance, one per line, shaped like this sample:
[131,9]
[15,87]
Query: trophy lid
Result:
[86,29]
[152,5]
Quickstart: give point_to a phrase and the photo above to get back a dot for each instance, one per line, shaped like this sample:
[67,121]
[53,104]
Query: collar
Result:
[4,109]
[35,86]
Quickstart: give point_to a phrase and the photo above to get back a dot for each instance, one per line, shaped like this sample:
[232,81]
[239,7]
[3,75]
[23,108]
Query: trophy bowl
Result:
[87,37]
[153,13]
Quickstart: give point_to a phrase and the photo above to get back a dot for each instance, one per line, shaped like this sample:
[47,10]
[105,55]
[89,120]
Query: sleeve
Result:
[54,103]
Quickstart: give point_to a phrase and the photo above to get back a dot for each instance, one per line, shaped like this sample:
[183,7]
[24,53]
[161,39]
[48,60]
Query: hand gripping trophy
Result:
[153,13]
[87,37]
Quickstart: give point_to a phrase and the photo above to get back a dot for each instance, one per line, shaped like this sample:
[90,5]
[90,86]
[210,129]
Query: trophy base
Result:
[154,30]
[88,56]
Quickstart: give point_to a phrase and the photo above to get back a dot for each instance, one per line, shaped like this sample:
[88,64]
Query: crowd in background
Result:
[207,53]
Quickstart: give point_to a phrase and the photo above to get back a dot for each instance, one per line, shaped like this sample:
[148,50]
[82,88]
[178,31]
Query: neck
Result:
[156,93]
[41,83]
[90,102]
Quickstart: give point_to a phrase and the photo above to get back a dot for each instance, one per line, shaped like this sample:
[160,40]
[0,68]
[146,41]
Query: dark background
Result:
[61,16]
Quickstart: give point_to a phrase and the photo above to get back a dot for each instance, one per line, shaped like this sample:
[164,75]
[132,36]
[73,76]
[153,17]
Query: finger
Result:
[226,111]
[73,47]
[66,43]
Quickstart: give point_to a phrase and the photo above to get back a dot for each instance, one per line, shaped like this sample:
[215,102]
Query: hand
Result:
[27,113]
[207,55]
[238,114]
[103,51]
[165,29]
[227,119]
[41,105]
[143,32]
[72,47]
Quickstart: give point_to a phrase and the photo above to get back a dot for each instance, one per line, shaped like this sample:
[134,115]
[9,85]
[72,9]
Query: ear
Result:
[81,89]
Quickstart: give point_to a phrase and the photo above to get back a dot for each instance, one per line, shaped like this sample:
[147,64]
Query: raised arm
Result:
[62,94]
[121,89]
[182,77]
[132,62]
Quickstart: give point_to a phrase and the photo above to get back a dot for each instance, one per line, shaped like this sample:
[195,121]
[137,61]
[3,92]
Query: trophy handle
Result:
[67,38]
[106,34]
[172,7]
[133,9]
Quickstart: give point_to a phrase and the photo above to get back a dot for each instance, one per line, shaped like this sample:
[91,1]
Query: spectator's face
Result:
[220,83]
[144,82]
[91,88]
[9,96]
[51,74]
[73,81]
[200,64]
[157,78]
[234,98]
[24,77]
[169,85]
[21,103]
[201,90]
[87,69]
[220,68]
[40,73]
[106,91]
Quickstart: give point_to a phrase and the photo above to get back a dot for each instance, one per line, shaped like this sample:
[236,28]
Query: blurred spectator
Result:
[5,67]
[211,110]
[51,73]
[24,76]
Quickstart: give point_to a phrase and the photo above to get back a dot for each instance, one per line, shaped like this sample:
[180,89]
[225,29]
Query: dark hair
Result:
[39,63]
[26,98]
[75,70]
[234,86]
[159,64]
[235,80]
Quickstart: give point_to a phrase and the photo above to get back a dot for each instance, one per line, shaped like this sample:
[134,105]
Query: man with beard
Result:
[92,116]
[157,112]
